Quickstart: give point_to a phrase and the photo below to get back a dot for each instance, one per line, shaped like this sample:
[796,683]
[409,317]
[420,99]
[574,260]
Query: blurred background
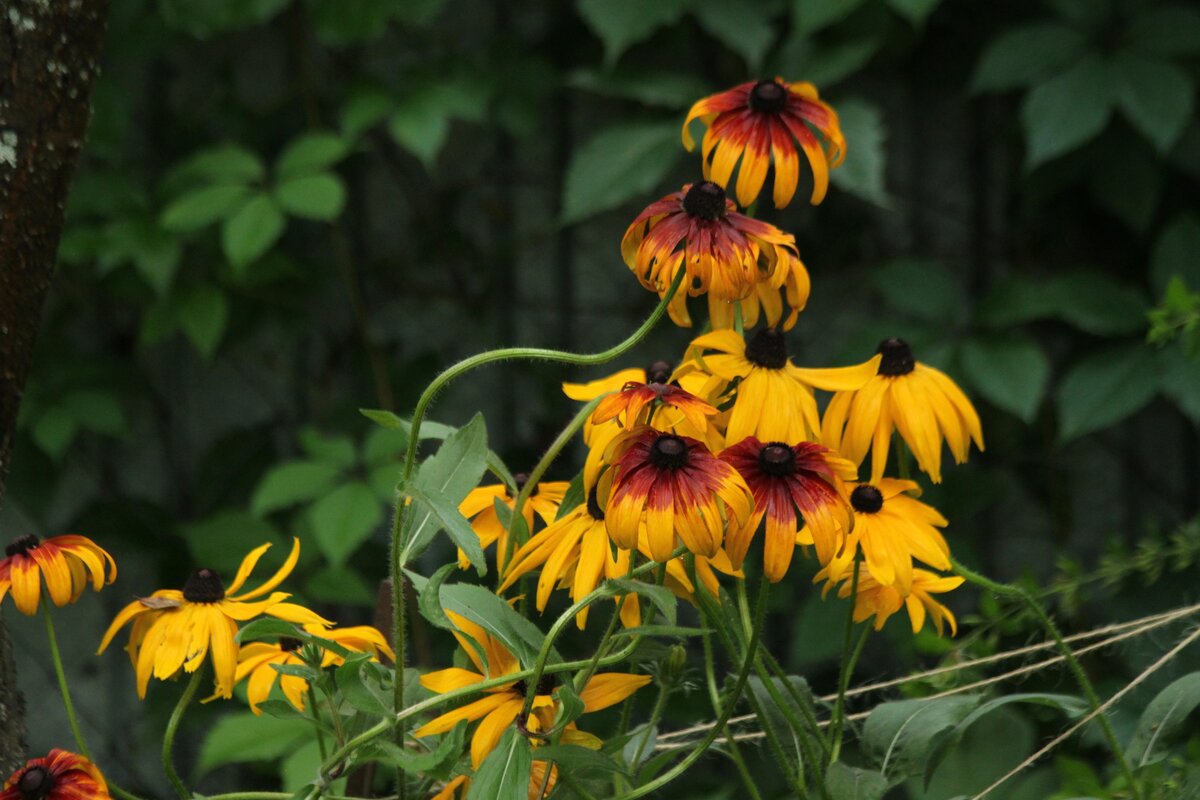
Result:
[289,210]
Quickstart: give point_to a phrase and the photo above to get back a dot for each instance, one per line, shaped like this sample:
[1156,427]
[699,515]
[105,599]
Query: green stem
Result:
[169,737]
[839,709]
[63,688]
[714,696]
[316,716]
[399,639]
[656,713]
[1081,678]
[803,702]
[739,686]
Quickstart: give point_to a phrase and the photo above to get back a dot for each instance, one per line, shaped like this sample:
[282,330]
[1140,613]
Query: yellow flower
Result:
[920,402]
[255,660]
[480,507]
[500,705]
[772,399]
[66,563]
[881,601]
[175,629]
[788,282]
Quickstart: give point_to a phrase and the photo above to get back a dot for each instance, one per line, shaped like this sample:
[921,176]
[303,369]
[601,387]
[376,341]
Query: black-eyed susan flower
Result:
[793,485]
[760,122]
[479,506]
[636,403]
[58,776]
[500,705]
[920,402]
[891,528]
[772,399]
[256,658]
[788,282]
[697,229]
[176,629]
[676,488]
[66,564]
[880,600]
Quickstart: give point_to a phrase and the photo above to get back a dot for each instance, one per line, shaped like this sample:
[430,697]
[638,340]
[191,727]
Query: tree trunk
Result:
[49,53]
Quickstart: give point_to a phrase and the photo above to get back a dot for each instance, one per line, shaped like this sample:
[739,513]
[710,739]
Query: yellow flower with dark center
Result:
[920,402]
[758,122]
[725,254]
[175,629]
[479,506]
[793,485]
[58,776]
[674,487]
[500,706]
[880,600]
[891,528]
[772,399]
[255,660]
[66,563]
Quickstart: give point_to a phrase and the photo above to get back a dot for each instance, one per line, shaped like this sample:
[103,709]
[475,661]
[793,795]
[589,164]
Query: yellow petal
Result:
[609,688]
[488,734]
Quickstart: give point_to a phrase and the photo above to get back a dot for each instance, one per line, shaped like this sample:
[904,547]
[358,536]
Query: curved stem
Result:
[399,620]
[839,709]
[169,737]
[61,674]
[1081,678]
[316,716]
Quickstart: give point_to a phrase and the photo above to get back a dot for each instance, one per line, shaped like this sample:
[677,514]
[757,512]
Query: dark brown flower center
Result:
[593,506]
[522,478]
[289,644]
[21,547]
[204,586]
[767,349]
[777,459]
[768,96]
[35,784]
[866,499]
[659,372]
[668,452]
[705,200]
[897,357]
[545,686]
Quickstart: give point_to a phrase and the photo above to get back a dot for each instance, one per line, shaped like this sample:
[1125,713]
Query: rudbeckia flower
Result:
[479,506]
[255,660]
[880,600]
[676,488]
[175,629]
[772,399]
[891,528]
[758,122]
[499,706]
[920,402]
[58,776]
[627,405]
[66,563]
[725,254]
[793,485]
[788,282]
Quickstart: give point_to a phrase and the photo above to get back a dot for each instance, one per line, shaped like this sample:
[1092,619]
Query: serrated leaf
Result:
[843,782]
[1067,111]
[1165,715]
[899,734]
[862,173]
[1011,371]
[475,603]
[202,207]
[1155,96]
[203,314]
[252,231]
[451,520]
[1019,56]
[318,197]
[504,774]
[292,482]
[618,164]
[313,152]
[623,23]
[344,519]
[1104,388]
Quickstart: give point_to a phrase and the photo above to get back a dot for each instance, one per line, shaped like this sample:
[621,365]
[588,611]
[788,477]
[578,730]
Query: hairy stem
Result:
[168,747]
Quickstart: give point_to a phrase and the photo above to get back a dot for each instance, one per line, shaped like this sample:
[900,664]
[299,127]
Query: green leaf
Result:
[449,746]
[383,446]
[203,314]
[915,11]
[421,120]
[344,519]
[900,734]
[1166,30]
[1155,96]
[660,596]
[296,770]
[434,430]
[429,595]
[776,721]
[572,498]
[843,782]
[676,90]
[1020,56]
[745,28]
[450,519]
[219,541]
[1011,371]
[618,164]
[227,164]
[268,628]
[1177,252]
[1165,716]
[504,774]
[623,23]
[338,23]
[320,197]
[292,482]
[1088,300]
[312,152]
[826,63]
[578,759]
[486,609]
[922,289]
[252,231]
[202,207]
[1105,388]
[1179,380]
[863,170]
[336,450]
[1066,111]
[243,737]
[361,683]
[365,109]
[339,585]
[812,15]
[1129,186]
[453,471]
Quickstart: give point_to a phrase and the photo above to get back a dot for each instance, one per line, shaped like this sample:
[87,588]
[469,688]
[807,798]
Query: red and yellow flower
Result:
[67,564]
[58,776]
[880,600]
[793,485]
[760,122]
[637,402]
[479,506]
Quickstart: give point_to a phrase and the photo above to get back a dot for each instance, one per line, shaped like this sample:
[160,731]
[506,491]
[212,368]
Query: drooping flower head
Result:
[636,403]
[675,487]
[758,122]
[880,600]
[176,629]
[479,506]
[920,402]
[725,254]
[67,564]
[58,776]
[793,485]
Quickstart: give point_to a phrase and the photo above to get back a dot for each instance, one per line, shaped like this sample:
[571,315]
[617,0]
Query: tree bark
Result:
[49,53]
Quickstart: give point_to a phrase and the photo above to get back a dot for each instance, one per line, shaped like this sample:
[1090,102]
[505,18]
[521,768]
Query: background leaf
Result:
[617,165]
